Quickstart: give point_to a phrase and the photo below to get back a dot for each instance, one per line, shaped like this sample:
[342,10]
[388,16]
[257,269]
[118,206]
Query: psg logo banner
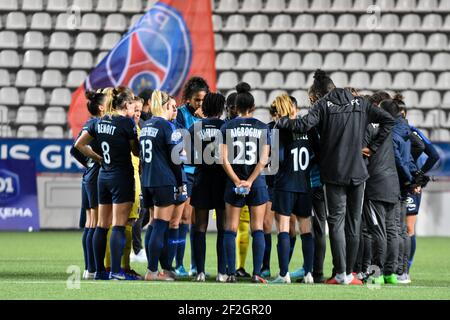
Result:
[173,41]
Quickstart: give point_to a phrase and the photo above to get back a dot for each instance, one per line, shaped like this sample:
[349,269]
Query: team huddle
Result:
[352,163]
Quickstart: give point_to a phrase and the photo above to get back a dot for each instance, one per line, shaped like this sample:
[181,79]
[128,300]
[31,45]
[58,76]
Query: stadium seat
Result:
[415,117]
[227,6]
[405,5]
[235,23]
[329,41]
[350,42]
[427,5]
[269,61]
[246,61]
[296,6]
[389,22]
[9,96]
[151,3]
[386,5]
[262,114]
[261,42]
[75,78]
[372,42]
[9,5]
[411,98]
[253,78]
[64,22]
[307,41]
[91,22]
[27,115]
[227,80]
[273,80]
[340,79]
[274,6]
[236,42]
[311,61]
[398,62]
[35,97]
[320,5]
[41,21]
[304,22]
[341,6]
[393,42]
[60,97]
[25,78]
[333,61]
[294,80]
[4,78]
[115,22]
[28,132]
[16,21]
[33,59]
[362,5]
[446,26]
[3,115]
[415,41]
[225,61]
[441,61]
[410,22]
[218,42]
[419,62]
[9,59]
[82,60]
[217,22]
[432,119]
[302,98]
[440,135]
[57,5]
[54,115]
[430,100]
[281,22]
[258,23]
[376,61]
[8,40]
[366,23]
[285,42]
[354,61]
[33,40]
[5,131]
[106,6]
[290,61]
[53,132]
[380,81]
[100,57]
[437,42]
[324,22]
[58,60]
[360,80]
[83,5]
[260,97]
[249,6]
[425,81]
[109,40]
[134,19]
[432,22]
[446,101]
[402,81]
[443,82]
[85,41]
[131,6]
[346,22]
[51,79]
[59,41]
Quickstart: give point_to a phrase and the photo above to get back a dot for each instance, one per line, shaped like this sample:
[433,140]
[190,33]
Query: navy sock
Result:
[221,263]
[164,256]
[90,250]
[172,245]
[116,245]
[412,252]
[283,247]
[191,238]
[291,250]
[99,243]
[267,251]
[199,249]
[258,245]
[229,240]
[148,234]
[156,243]
[183,229]
[308,251]
[84,244]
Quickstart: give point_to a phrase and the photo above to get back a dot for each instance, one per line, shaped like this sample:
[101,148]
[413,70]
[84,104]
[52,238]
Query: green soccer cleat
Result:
[391,279]
[377,280]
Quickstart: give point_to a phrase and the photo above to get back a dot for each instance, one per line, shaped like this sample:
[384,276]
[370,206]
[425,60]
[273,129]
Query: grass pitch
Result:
[35,266]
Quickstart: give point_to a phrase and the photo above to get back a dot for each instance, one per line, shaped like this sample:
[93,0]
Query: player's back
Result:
[93,168]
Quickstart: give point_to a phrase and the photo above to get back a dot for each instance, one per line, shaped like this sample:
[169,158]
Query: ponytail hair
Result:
[322,84]
[399,98]
[244,99]
[159,99]
[121,98]
[282,106]
[94,100]
[109,97]
[379,96]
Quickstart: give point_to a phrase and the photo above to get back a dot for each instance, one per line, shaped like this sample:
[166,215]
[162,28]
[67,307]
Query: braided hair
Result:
[213,105]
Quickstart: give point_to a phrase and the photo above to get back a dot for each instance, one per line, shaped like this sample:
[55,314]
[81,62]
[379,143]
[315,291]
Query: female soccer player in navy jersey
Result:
[116,135]
[209,182]
[162,178]
[245,153]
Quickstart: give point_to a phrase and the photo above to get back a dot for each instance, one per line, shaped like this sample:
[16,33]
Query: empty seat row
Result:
[31,131]
[52,115]
[49,79]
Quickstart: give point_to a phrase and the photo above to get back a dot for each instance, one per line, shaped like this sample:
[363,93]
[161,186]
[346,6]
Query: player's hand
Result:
[245,184]
[367,152]
[199,113]
[417,190]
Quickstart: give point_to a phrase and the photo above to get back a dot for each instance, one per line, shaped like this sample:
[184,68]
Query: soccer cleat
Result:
[258,279]
[121,276]
[265,273]
[280,279]
[181,272]
[361,276]
[200,277]
[391,279]
[140,257]
[231,279]
[403,278]
[353,280]
[299,273]
[338,279]
[318,278]
[132,273]
[157,276]
[308,278]
[221,277]
[241,273]
[88,275]
[376,280]
[193,272]
[101,275]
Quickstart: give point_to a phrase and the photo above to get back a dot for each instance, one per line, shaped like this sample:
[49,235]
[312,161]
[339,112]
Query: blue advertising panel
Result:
[18,195]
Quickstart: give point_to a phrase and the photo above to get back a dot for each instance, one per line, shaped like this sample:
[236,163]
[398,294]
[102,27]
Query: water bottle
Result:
[241,191]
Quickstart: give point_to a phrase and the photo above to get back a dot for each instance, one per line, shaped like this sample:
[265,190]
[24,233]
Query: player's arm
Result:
[134,144]
[81,158]
[227,165]
[302,125]
[82,144]
[430,151]
[386,122]
[263,160]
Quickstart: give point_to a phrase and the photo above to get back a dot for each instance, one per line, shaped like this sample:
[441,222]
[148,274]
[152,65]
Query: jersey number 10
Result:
[301,158]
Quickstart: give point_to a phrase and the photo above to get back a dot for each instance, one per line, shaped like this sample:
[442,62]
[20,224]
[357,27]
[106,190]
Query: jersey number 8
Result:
[301,158]
[105,149]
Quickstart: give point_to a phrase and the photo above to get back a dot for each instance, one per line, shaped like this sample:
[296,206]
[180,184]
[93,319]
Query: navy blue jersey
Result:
[245,138]
[295,154]
[113,134]
[92,167]
[270,177]
[158,137]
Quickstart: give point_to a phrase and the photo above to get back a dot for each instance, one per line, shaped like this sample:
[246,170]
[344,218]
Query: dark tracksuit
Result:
[381,196]
[342,120]
[401,133]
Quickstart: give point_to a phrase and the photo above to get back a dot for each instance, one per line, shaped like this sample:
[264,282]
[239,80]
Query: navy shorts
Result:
[286,203]
[208,195]
[413,204]
[256,197]
[270,190]
[89,195]
[116,190]
[160,196]
[190,183]
[82,221]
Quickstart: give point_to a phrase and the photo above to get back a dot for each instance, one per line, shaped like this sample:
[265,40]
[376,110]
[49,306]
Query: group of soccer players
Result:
[330,166]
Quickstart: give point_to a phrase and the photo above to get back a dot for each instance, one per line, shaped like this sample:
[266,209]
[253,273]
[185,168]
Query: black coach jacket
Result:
[342,120]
